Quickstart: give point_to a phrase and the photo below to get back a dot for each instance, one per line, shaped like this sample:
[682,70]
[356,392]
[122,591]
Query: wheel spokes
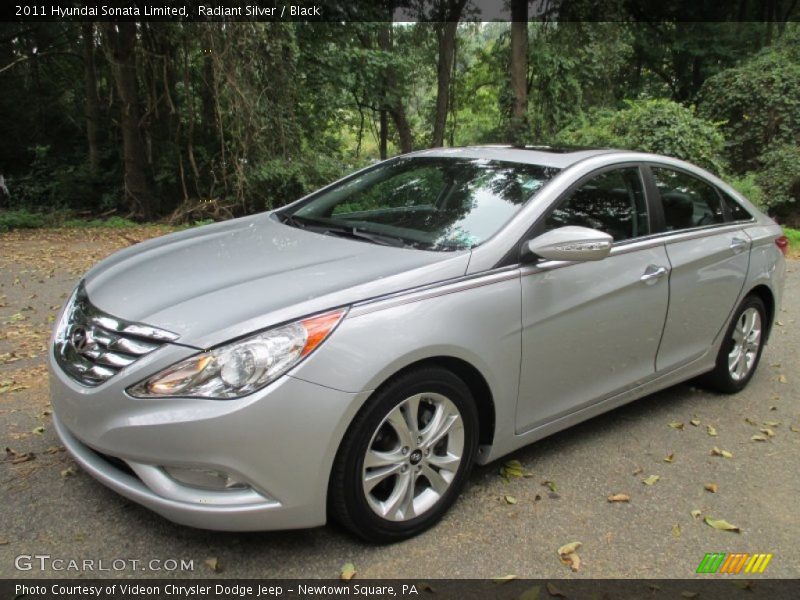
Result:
[413,457]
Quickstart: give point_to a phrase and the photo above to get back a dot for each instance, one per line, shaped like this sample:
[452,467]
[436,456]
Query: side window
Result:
[736,210]
[612,202]
[688,201]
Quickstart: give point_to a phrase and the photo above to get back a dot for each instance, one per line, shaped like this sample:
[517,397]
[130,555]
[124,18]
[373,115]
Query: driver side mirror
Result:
[571,243]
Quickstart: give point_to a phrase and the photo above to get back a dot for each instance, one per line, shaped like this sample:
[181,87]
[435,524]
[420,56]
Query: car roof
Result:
[559,157]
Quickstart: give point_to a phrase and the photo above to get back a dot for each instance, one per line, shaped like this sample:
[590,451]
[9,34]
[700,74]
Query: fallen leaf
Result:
[711,431]
[554,591]
[688,594]
[638,471]
[213,564]
[550,484]
[619,498]
[68,472]
[711,487]
[750,421]
[723,453]
[782,379]
[721,524]
[794,428]
[676,425]
[513,468]
[3,542]
[510,499]
[651,480]
[758,438]
[532,593]
[695,422]
[772,423]
[504,578]
[768,432]
[676,530]
[568,553]
[348,572]
[54,449]
[669,457]
[21,458]
[38,430]
[537,497]
[696,513]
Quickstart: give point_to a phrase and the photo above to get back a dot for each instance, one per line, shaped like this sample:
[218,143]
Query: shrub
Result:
[20,219]
[758,101]
[659,126]
[779,177]
[747,186]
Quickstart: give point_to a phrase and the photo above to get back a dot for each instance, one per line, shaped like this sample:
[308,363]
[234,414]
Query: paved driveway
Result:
[50,507]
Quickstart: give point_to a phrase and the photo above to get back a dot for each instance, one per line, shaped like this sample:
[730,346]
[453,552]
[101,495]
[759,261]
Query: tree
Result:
[91,101]
[447,15]
[519,70]
[120,48]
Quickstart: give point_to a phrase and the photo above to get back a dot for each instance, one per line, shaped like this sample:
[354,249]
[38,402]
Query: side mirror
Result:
[570,243]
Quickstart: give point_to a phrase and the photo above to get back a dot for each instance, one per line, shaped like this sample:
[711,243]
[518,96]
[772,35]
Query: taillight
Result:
[782,242]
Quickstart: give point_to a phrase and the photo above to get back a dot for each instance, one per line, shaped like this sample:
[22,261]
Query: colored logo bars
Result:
[720,562]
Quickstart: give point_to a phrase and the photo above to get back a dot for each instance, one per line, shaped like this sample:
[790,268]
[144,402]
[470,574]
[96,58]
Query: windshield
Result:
[423,202]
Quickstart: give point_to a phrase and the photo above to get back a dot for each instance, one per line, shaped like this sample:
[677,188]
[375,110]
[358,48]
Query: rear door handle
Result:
[738,244]
[652,274]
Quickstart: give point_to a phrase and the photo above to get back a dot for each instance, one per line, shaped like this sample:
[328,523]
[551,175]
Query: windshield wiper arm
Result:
[376,238]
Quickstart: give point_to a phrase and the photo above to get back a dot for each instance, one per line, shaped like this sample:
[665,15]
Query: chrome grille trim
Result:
[108,343]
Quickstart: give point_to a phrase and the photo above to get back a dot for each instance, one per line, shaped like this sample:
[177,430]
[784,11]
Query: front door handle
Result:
[738,244]
[652,274]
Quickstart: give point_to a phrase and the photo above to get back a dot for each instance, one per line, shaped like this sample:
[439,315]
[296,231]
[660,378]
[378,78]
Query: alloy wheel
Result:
[413,457]
[746,342]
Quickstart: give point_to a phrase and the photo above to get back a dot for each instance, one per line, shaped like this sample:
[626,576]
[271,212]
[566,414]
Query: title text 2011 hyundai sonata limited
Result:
[354,353]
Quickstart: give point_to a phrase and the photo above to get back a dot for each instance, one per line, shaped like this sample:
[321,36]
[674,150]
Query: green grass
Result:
[794,239]
[25,219]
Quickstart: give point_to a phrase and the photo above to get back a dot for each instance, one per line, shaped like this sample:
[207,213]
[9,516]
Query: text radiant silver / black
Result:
[353,354]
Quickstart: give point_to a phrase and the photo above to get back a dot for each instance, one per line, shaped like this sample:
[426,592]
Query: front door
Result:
[592,329]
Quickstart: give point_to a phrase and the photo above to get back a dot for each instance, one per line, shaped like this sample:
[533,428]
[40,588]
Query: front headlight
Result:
[241,367]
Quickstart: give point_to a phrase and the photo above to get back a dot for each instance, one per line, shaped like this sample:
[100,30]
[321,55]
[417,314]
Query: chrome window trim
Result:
[433,290]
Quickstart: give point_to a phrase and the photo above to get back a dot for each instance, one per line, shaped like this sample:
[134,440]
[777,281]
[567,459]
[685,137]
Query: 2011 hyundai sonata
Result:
[354,353]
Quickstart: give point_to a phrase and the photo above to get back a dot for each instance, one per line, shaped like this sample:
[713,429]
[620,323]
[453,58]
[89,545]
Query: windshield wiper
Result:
[376,238]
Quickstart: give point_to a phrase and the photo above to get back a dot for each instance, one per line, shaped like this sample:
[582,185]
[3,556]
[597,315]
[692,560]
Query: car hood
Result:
[217,282]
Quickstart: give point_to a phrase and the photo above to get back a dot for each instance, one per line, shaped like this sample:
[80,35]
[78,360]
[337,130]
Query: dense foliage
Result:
[660,126]
[189,121]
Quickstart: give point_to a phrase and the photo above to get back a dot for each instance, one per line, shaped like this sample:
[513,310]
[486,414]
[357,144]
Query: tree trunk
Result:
[403,127]
[519,70]
[446,36]
[91,102]
[120,50]
[384,133]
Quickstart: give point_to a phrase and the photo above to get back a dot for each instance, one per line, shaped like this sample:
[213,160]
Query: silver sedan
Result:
[353,354]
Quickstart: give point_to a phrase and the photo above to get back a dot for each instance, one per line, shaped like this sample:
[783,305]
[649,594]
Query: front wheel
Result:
[406,456]
[741,350]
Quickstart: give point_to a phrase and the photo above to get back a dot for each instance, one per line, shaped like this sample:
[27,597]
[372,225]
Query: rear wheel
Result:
[406,456]
[741,350]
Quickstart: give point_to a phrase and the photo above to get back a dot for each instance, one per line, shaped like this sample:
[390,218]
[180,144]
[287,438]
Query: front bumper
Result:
[281,441]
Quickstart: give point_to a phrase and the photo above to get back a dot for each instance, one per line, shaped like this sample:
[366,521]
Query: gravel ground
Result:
[51,507]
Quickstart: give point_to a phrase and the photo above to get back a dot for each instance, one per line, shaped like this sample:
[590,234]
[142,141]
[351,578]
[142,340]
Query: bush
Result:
[747,186]
[758,101]
[20,219]
[659,126]
[779,177]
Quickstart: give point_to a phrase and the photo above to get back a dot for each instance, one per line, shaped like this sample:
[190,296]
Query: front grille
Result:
[92,346]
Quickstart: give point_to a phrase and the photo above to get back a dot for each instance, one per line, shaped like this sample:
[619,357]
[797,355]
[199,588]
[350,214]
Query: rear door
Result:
[709,258]
[591,329]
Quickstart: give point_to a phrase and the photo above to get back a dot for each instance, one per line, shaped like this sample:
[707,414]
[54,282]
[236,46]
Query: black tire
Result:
[347,499]
[721,379]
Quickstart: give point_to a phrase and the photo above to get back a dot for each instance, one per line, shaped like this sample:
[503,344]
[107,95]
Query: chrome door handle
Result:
[652,274]
[738,244]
